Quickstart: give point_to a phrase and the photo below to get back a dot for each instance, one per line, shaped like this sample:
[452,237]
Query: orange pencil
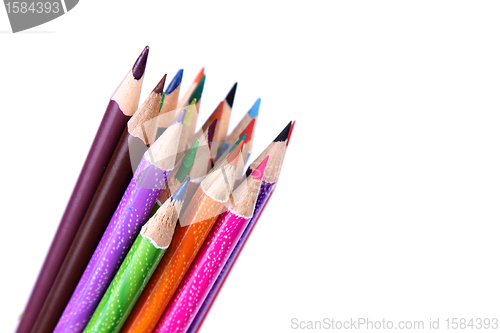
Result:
[195,224]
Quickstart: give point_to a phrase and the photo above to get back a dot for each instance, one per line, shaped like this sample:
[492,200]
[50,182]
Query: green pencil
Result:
[138,266]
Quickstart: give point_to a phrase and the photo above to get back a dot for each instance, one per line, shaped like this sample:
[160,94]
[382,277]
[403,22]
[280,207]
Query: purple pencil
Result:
[276,152]
[132,211]
[121,107]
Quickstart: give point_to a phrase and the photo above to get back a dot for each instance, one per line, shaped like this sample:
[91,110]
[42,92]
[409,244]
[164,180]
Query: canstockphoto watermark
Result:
[385,324]
[354,324]
[25,14]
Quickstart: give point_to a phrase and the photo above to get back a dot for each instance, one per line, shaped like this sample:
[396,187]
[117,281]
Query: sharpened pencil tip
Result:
[284,134]
[187,162]
[254,110]
[180,118]
[140,64]
[290,133]
[200,75]
[181,191]
[211,132]
[230,95]
[241,139]
[198,90]
[233,157]
[159,87]
[258,173]
[176,81]
[248,131]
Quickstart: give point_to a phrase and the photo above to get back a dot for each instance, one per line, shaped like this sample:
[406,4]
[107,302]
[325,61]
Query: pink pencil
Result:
[212,256]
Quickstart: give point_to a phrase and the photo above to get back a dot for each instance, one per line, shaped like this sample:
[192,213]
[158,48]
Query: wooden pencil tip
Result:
[258,173]
[233,157]
[249,130]
[290,133]
[198,90]
[176,81]
[211,132]
[181,191]
[187,162]
[241,139]
[200,75]
[140,64]
[231,94]
[283,136]
[254,110]
[180,118]
[159,87]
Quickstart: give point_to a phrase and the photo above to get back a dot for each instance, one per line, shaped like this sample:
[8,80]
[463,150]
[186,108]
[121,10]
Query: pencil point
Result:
[176,81]
[248,130]
[211,132]
[233,157]
[290,133]
[254,110]
[180,118]
[284,134]
[258,173]
[198,90]
[140,64]
[230,95]
[187,162]
[191,109]
[237,143]
[199,76]
[181,191]
[159,87]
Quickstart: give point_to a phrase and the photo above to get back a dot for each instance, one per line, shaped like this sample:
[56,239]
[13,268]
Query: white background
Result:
[388,203]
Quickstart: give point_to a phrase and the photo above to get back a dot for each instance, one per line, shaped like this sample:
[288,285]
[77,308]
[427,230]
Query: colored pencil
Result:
[121,107]
[185,100]
[143,127]
[193,118]
[202,163]
[179,173]
[223,114]
[201,173]
[226,114]
[193,228]
[187,128]
[197,93]
[241,162]
[111,188]
[211,258]
[138,266]
[169,103]
[132,211]
[275,151]
[215,117]
[252,114]
[249,131]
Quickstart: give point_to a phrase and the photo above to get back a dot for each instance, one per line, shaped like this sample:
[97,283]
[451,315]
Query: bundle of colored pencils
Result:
[158,216]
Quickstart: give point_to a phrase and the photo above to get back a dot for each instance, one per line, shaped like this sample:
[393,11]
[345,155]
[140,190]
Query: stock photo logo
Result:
[28,14]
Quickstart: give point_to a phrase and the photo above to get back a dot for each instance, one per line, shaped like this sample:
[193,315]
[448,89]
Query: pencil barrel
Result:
[132,212]
[264,193]
[203,211]
[202,273]
[105,141]
[126,287]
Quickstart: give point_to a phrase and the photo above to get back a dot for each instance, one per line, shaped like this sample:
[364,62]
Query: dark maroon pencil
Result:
[109,193]
[121,107]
